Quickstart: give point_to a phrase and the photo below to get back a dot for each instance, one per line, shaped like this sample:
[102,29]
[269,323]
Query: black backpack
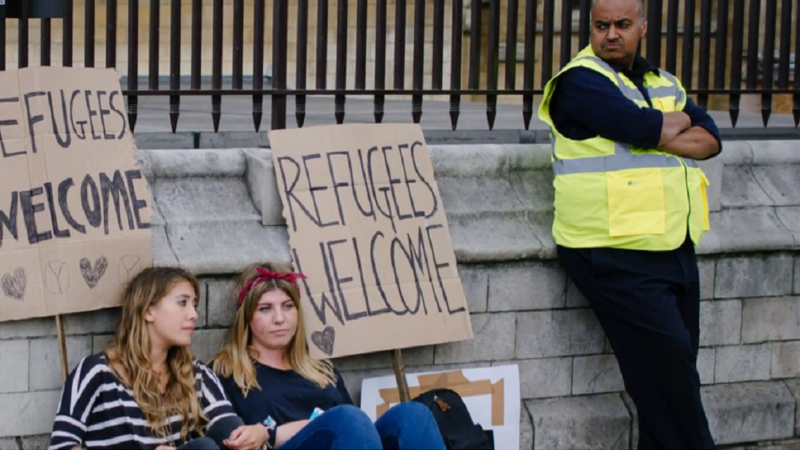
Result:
[454,421]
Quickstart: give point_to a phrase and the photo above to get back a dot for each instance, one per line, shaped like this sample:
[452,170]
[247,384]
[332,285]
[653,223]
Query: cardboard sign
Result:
[491,394]
[74,206]
[367,226]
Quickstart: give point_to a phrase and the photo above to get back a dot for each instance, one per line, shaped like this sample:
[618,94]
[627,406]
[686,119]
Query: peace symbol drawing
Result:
[56,277]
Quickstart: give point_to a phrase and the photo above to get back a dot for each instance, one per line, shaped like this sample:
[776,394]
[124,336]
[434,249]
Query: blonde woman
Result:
[146,391]
[270,378]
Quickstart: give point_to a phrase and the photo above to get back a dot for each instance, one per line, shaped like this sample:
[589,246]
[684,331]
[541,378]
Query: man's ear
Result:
[644,28]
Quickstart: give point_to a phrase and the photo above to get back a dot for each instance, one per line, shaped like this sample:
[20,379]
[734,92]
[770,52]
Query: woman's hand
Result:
[247,437]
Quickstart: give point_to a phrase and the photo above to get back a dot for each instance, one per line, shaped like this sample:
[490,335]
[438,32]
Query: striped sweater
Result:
[97,411]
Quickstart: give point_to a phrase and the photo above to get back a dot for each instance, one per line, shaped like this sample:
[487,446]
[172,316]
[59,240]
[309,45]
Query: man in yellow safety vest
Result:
[630,206]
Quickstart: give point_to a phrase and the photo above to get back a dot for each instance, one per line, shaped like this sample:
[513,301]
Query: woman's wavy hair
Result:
[132,347]
[236,357]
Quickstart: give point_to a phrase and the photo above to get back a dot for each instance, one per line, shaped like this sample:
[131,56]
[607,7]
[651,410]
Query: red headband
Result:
[266,275]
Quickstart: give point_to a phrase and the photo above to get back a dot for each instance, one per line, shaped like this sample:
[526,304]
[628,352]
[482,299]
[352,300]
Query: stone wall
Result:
[214,216]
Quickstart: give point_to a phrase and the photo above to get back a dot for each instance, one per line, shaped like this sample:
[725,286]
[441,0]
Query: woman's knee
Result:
[409,425]
[344,426]
[408,411]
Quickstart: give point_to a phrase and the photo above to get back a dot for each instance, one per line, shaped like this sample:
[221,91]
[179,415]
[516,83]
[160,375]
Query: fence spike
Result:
[416,108]
[733,109]
[491,110]
[527,110]
[216,111]
[258,108]
[455,106]
[766,108]
[300,110]
[379,101]
[132,115]
[796,109]
[174,111]
[339,101]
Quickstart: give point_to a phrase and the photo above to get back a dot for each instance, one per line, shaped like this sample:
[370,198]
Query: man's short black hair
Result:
[641,7]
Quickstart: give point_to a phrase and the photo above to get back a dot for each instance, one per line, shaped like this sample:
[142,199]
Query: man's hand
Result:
[247,437]
[674,124]
[695,143]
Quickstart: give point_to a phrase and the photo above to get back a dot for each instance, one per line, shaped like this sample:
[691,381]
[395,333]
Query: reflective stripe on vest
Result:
[633,93]
[621,159]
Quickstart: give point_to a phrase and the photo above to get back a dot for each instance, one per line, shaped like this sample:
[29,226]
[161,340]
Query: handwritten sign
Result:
[367,226]
[74,207]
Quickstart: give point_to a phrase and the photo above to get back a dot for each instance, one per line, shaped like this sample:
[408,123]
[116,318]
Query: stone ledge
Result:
[466,161]
[777,153]
[263,186]
[794,388]
[191,163]
[740,413]
[596,421]
[221,247]
[789,217]
[783,444]
[506,214]
[749,412]
[212,199]
[737,153]
[746,230]
[747,186]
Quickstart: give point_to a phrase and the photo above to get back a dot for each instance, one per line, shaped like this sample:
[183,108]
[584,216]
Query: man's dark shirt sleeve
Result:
[701,118]
[586,104]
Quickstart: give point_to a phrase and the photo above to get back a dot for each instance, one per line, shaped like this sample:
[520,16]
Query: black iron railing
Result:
[717,27]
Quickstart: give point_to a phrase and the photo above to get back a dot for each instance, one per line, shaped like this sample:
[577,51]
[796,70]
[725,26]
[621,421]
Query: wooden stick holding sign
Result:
[367,227]
[62,347]
[400,374]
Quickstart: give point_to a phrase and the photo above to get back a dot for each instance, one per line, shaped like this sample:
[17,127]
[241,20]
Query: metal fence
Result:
[475,51]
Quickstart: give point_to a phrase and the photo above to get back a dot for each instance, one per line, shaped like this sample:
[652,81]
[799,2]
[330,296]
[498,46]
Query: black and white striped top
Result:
[97,411]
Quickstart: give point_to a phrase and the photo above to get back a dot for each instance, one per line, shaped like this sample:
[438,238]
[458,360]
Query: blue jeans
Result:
[406,426]
[409,426]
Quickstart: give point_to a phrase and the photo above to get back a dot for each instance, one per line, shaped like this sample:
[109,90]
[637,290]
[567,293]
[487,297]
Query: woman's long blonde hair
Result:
[131,349]
[235,358]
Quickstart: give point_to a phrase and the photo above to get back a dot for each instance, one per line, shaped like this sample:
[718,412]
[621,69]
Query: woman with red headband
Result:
[270,377]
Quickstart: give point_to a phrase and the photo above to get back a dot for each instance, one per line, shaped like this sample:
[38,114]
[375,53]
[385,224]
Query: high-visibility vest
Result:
[611,194]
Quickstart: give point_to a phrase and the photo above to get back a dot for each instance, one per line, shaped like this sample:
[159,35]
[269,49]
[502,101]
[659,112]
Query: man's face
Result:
[617,27]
